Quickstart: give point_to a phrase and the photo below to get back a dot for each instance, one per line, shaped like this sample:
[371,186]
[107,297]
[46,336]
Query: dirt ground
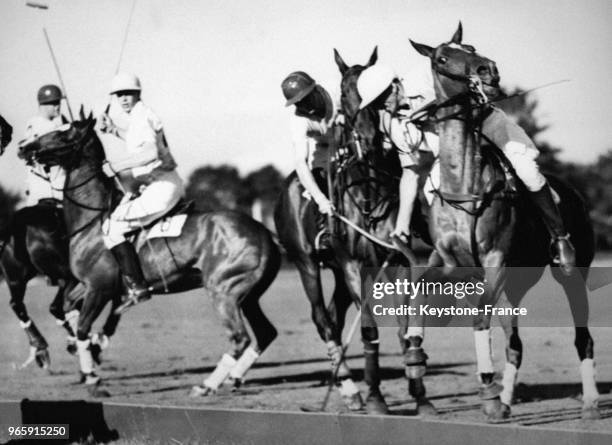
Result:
[167,345]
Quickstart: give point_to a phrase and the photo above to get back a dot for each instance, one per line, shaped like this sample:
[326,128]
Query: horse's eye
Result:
[442,59]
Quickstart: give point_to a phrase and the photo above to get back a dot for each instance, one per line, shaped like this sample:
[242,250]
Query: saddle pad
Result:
[168,227]
[433,183]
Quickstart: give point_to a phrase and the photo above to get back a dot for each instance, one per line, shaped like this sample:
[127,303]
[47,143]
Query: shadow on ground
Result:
[86,420]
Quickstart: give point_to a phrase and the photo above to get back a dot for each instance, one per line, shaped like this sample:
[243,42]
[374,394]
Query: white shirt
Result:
[144,133]
[316,134]
[37,187]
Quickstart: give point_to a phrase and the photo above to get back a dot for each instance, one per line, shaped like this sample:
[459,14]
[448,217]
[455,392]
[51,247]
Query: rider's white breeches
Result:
[522,158]
[152,203]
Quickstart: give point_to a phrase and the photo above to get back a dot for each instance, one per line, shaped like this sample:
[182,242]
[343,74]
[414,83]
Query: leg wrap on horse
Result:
[244,363]
[35,338]
[508,382]
[482,341]
[85,357]
[334,351]
[522,158]
[221,372]
[371,372]
[589,388]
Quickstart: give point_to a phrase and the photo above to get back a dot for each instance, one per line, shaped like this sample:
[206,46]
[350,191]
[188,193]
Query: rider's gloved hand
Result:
[106,124]
[325,206]
[401,233]
[108,169]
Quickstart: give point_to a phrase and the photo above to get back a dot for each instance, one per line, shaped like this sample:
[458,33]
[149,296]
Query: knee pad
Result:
[523,161]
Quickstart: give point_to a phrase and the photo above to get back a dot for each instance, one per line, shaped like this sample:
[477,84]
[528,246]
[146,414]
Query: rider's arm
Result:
[147,152]
[305,175]
[408,192]
[301,147]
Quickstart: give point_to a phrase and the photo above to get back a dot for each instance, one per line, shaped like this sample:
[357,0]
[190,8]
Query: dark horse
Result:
[475,221]
[34,243]
[364,190]
[230,255]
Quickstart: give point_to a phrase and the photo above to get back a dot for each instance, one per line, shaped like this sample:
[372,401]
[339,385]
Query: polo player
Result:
[380,86]
[312,136]
[149,168]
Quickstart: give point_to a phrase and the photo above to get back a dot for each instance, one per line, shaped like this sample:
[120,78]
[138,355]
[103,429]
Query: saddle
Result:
[169,225]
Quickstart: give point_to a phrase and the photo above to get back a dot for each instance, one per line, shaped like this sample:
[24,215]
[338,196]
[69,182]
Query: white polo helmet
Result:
[125,82]
[373,81]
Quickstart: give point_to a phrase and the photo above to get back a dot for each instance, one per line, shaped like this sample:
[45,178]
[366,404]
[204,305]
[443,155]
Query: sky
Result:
[211,69]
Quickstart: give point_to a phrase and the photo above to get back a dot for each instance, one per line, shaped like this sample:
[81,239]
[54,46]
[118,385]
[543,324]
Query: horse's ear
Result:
[343,67]
[458,36]
[422,49]
[82,113]
[373,57]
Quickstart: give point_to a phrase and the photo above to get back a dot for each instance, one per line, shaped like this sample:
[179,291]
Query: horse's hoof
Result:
[425,408]
[97,392]
[495,410]
[234,383]
[71,346]
[96,353]
[43,359]
[353,402]
[591,413]
[94,387]
[375,403]
[201,391]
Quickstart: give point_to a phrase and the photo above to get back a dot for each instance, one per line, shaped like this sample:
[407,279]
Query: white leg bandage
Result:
[348,388]
[508,382]
[482,341]
[221,372]
[522,158]
[244,363]
[589,388]
[73,319]
[414,331]
[85,358]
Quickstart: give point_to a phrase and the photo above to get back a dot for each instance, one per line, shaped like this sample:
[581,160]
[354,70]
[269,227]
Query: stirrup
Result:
[317,240]
[555,254]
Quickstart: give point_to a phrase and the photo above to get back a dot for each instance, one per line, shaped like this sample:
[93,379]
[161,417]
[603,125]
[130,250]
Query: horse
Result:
[366,194]
[228,254]
[476,220]
[34,243]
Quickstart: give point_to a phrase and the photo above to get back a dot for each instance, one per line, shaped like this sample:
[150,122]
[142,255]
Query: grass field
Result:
[167,345]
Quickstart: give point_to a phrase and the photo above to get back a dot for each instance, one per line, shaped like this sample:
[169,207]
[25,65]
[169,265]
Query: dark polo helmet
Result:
[48,94]
[297,86]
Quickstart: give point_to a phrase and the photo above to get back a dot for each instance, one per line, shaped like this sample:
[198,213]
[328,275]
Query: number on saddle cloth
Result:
[171,224]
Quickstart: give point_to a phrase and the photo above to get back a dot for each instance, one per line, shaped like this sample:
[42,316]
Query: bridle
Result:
[74,149]
[351,155]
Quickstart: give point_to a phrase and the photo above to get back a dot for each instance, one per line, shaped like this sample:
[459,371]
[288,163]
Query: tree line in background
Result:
[223,187]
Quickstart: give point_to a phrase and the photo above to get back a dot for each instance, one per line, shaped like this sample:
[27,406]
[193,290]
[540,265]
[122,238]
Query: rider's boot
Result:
[133,277]
[565,254]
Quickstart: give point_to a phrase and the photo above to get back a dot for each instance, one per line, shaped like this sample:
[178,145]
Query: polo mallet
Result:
[43,6]
[347,342]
